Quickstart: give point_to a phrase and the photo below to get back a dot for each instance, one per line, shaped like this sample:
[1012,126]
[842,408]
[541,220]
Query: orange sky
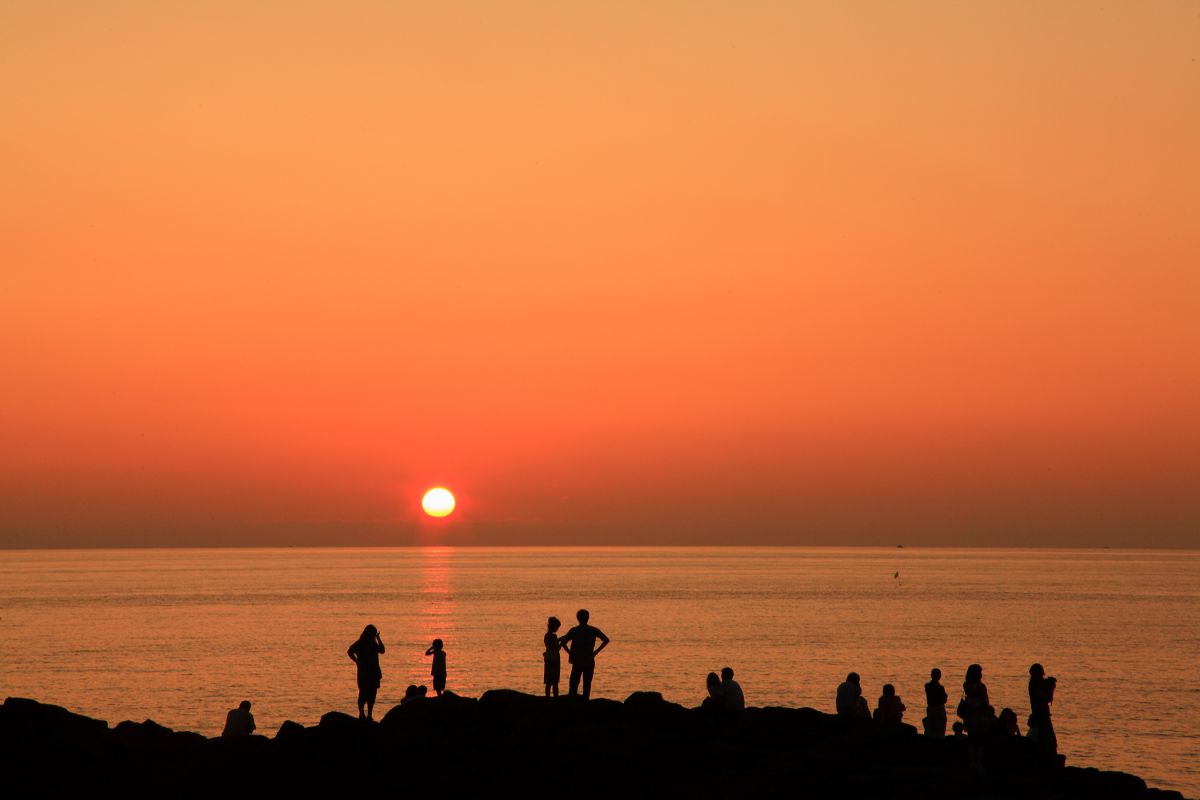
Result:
[740,272]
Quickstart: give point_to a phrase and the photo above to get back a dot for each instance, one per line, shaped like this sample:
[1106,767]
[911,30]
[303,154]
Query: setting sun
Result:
[438,502]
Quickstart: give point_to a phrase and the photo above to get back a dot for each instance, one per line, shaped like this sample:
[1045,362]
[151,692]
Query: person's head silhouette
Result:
[369,633]
[889,690]
[712,681]
[1037,670]
[974,673]
[852,678]
[583,616]
[726,674]
[244,705]
[935,674]
[437,645]
[553,624]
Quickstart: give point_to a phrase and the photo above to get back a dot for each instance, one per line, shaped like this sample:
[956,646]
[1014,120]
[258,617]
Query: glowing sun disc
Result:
[438,502]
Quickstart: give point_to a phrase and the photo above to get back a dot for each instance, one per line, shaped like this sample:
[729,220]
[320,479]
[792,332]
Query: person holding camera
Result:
[365,654]
[1041,695]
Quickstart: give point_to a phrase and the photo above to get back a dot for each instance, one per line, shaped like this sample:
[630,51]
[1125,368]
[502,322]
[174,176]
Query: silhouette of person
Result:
[239,721]
[365,653]
[735,700]
[1041,695]
[1006,724]
[850,702]
[890,710]
[413,692]
[935,705]
[582,652]
[716,697]
[959,732]
[977,714]
[552,668]
[439,666]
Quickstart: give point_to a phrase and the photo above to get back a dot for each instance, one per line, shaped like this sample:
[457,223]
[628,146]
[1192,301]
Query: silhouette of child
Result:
[959,732]
[550,674]
[439,666]
[890,710]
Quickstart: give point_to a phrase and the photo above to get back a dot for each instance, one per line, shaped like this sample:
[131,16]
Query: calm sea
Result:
[180,636]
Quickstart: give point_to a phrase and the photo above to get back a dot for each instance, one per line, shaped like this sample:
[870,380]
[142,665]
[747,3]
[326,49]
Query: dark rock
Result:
[290,732]
[51,724]
[649,701]
[505,742]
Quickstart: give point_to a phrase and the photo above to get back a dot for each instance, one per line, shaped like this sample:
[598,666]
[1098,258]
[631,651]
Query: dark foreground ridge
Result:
[508,742]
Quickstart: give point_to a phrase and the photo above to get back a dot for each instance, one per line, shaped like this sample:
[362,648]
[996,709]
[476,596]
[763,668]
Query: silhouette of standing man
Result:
[580,644]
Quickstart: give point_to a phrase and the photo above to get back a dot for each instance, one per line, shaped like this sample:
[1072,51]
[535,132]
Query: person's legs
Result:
[587,680]
[371,693]
[362,701]
[573,682]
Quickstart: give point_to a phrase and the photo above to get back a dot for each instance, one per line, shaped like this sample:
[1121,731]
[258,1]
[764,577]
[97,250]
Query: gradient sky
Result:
[705,272]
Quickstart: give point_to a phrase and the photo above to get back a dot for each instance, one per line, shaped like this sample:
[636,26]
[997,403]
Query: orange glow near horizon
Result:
[920,273]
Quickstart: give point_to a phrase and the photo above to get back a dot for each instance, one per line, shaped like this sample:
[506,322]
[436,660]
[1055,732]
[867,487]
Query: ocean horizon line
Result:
[640,546]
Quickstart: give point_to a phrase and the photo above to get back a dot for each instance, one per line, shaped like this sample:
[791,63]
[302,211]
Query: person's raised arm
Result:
[379,641]
[429,652]
[603,642]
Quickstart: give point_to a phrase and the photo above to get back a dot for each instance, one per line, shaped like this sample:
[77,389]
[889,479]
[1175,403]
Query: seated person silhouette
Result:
[890,710]
[412,693]
[850,702]
[580,644]
[735,700]
[239,721]
[716,697]
[1006,724]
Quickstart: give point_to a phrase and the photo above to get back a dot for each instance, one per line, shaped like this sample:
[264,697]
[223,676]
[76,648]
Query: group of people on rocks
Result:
[979,718]
[365,652]
[979,721]
[579,644]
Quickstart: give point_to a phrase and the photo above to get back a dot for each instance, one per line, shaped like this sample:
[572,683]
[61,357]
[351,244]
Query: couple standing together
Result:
[580,644]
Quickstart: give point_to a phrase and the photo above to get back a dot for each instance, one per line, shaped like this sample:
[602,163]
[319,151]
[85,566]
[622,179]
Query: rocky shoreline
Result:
[506,742]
